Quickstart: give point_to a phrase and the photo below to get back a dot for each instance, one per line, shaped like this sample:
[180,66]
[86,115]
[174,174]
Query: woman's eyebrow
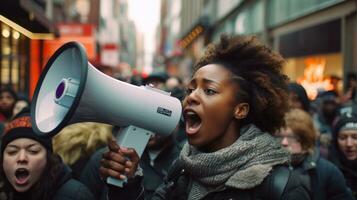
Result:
[12,146]
[205,81]
[16,146]
[31,145]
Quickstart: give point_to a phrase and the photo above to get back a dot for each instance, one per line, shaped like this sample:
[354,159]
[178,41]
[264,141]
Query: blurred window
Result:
[281,11]
[13,71]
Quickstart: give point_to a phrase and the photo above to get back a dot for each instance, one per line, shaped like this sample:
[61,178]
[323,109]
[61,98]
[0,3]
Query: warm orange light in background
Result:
[35,68]
[82,33]
[314,80]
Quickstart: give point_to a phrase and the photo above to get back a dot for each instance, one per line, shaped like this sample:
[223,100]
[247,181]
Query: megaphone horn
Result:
[71,90]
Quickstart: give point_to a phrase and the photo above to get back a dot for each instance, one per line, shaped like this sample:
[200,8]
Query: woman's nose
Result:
[192,97]
[22,156]
[349,141]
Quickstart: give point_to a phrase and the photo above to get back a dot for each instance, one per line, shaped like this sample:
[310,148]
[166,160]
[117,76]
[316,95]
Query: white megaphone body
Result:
[71,90]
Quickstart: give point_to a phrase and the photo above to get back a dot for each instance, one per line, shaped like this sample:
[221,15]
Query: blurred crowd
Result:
[320,134]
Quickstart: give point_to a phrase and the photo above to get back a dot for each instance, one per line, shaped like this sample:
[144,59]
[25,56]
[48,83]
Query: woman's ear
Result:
[241,110]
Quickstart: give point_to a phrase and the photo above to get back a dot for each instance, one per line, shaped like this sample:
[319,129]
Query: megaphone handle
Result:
[131,137]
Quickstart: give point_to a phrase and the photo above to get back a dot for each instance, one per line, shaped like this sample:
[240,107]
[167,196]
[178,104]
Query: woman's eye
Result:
[342,137]
[11,153]
[33,151]
[210,91]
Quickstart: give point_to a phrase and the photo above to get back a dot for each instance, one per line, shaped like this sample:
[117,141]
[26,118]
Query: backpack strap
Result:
[274,185]
[176,182]
[175,171]
[280,181]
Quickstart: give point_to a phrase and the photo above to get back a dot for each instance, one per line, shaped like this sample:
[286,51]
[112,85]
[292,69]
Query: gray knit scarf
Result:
[242,165]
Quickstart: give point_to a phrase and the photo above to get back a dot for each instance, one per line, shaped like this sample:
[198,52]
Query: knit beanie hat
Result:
[21,127]
[345,123]
[347,119]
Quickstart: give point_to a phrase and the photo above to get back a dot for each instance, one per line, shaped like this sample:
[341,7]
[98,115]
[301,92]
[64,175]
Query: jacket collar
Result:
[310,161]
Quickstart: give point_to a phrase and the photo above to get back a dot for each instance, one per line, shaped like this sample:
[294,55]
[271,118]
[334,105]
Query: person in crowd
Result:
[174,85]
[156,160]
[156,79]
[135,79]
[8,98]
[173,82]
[327,105]
[350,96]
[235,101]
[328,110]
[298,97]
[77,142]
[335,83]
[30,169]
[343,151]
[299,137]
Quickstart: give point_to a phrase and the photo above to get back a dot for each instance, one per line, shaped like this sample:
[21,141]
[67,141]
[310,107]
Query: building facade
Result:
[32,30]
[23,27]
[317,38]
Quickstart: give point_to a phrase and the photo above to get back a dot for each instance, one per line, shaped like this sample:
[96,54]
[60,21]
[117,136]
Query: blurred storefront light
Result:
[314,79]
[15,35]
[24,31]
[315,73]
[5,33]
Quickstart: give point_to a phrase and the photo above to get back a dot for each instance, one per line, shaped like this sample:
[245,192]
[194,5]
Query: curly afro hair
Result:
[257,70]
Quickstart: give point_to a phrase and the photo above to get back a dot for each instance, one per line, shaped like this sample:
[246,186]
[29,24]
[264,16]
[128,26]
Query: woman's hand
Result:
[119,162]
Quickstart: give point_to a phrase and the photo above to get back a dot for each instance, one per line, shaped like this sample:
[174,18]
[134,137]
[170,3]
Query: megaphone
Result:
[71,90]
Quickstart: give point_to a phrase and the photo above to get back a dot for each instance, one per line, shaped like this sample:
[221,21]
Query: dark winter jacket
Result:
[70,189]
[325,179]
[91,177]
[286,182]
[154,176]
[348,168]
[336,156]
[63,188]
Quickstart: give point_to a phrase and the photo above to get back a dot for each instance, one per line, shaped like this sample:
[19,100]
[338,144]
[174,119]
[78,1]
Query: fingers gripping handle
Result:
[131,137]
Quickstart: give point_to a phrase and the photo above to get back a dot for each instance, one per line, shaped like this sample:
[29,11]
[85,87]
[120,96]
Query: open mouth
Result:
[350,152]
[193,122]
[22,176]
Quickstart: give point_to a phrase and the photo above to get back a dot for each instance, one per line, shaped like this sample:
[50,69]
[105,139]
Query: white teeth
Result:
[190,113]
